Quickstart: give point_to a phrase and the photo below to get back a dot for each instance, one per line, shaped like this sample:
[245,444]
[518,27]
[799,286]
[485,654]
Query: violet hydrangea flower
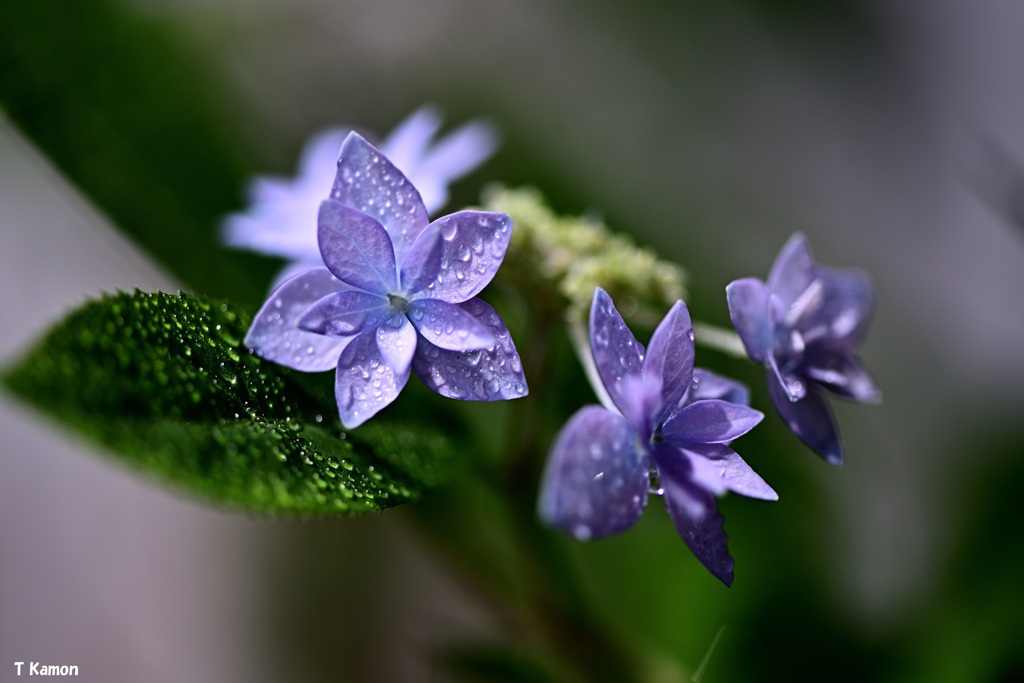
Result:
[281,218]
[398,294]
[665,418]
[804,325]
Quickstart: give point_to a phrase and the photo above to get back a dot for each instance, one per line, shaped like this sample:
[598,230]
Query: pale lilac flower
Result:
[398,294]
[281,218]
[664,419]
[804,325]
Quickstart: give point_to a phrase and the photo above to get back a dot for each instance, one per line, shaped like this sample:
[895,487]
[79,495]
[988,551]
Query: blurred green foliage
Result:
[139,123]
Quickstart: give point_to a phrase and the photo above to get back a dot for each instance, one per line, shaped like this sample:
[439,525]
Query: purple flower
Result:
[282,211]
[398,294]
[664,418]
[804,325]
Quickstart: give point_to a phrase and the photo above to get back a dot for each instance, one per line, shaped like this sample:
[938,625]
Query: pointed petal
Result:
[452,157]
[792,272]
[617,353]
[396,341]
[484,375]
[794,387]
[356,248]
[473,245]
[367,182]
[694,514]
[708,384]
[275,334]
[365,382]
[596,479]
[407,145]
[748,308]
[449,326]
[843,374]
[345,314]
[423,262]
[670,358]
[717,469]
[847,306]
[710,421]
[810,418]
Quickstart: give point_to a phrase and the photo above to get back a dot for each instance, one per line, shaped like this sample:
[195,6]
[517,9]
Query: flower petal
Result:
[473,247]
[708,384]
[275,334]
[452,157]
[710,421]
[449,326]
[793,271]
[423,262]
[367,182]
[407,144]
[843,374]
[669,358]
[810,418]
[794,387]
[694,514]
[345,314]
[748,308]
[596,479]
[396,340]
[717,468]
[492,375]
[365,382]
[848,303]
[356,248]
[617,353]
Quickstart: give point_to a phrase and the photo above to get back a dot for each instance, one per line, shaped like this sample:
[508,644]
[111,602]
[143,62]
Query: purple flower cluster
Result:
[398,295]
[281,218]
[804,324]
[665,419]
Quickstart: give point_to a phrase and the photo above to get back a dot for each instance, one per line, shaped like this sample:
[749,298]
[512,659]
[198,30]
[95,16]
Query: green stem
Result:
[725,341]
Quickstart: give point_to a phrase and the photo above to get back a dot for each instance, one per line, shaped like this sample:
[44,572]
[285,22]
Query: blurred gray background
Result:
[891,134]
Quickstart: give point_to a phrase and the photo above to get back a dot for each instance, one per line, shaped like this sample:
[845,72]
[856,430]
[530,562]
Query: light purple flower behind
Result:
[665,417]
[281,218]
[398,295]
[804,324]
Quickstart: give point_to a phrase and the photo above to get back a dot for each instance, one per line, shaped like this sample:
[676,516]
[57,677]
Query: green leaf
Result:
[164,382]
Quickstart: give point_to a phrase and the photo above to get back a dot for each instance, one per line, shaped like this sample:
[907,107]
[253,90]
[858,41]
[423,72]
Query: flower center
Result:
[398,303]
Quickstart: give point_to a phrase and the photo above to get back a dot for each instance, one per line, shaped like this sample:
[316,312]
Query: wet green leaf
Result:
[164,382]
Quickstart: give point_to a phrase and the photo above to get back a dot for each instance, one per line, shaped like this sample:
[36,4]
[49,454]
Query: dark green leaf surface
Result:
[164,382]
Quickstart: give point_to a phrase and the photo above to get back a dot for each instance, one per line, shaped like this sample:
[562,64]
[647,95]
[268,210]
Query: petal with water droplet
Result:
[617,353]
[494,374]
[596,479]
[810,418]
[367,182]
[670,358]
[345,314]
[449,326]
[356,248]
[694,514]
[710,421]
[396,339]
[365,382]
[275,333]
[708,384]
[473,247]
